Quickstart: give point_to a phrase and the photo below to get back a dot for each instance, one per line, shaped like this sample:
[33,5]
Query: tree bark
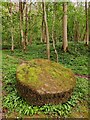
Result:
[55,8]
[46,30]
[29,20]
[12,30]
[43,35]
[65,42]
[53,33]
[87,24]
[42,27]
[76,24]
[21,24]
[26,25]
[89,18]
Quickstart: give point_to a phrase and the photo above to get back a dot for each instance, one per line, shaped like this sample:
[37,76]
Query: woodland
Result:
[53,30]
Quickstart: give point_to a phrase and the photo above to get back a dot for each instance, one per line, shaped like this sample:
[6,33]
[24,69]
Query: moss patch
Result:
[28,74]
[45,78]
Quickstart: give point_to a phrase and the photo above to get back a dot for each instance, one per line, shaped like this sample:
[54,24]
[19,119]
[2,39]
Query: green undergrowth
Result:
[77,60]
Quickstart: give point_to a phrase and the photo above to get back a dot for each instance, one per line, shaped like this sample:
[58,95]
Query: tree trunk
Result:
[53,33]
[46,30]
[87,24]
[29,20]
[42,27]
[12,30]
[21,24]
[55,8]
[65,42]
[26,25]
[89,19]
[76,24]
[43,36]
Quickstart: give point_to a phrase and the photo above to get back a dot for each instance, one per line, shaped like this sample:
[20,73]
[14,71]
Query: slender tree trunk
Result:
[43,36]
[55,8]
[21,24]
[87,24]
[46,30]
[42,27]
[89,18]
[76,25]
[26,25]
[29,20]
[12,30]
[42,32]
[53,33]
[65,42]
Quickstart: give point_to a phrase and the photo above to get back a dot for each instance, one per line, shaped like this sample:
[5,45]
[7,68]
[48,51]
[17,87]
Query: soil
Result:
[83,76]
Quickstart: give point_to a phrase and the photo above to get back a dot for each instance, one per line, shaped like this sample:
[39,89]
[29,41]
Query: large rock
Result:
[41,81]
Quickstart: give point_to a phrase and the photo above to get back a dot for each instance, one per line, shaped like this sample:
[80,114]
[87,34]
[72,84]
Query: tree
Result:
[87,24]
[76,24]
[12,29]
[29,20]
[42,27]
[89,18]
[46,29]
[26,24]
[53,31]
[21,7]
[29,16]
[43,35]
[65,42]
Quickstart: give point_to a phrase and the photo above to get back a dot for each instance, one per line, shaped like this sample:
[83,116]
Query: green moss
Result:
[41,74]
[28,74]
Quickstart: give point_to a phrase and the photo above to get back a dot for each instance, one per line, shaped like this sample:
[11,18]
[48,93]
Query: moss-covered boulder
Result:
[41,81]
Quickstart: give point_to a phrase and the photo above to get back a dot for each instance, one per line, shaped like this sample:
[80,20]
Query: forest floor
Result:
[76,59]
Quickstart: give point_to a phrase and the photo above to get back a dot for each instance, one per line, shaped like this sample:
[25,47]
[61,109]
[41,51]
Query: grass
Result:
[76,59]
